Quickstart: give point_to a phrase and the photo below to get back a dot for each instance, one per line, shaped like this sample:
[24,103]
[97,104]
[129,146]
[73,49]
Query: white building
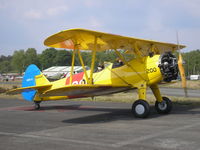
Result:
[57,72]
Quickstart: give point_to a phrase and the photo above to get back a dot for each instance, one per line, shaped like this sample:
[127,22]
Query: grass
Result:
[5,86]
[10,84]
[130,97]
[178,84]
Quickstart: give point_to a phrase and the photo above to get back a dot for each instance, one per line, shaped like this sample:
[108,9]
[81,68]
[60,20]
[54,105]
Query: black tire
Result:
[37,105]
[164,107]
[141,109]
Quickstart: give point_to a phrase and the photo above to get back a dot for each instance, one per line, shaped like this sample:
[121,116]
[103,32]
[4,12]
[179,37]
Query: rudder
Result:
[29,80]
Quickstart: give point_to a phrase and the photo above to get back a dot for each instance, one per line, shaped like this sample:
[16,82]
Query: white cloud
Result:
[92,3]
[33,14]
[56,10]
[40,14]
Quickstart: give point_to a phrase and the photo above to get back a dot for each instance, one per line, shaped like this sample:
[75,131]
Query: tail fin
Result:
[32,77]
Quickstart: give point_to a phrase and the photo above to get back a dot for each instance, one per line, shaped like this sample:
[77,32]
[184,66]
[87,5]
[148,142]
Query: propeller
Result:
[181,69]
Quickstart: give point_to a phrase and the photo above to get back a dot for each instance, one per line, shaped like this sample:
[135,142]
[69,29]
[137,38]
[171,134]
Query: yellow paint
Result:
[41,80]
[156,92]
[182,71]
[154,76]
[93,60]
[121,76]
[132,75]
[72,67]
[141,72]
[106,41]
[83,66]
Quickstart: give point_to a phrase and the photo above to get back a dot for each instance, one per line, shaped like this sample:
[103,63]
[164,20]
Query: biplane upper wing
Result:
[85,40]
[85,90]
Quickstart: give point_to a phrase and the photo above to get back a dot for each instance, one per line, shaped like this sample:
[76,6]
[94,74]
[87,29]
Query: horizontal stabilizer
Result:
[25,89]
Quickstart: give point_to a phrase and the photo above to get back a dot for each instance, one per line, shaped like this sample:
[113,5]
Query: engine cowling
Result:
[168,66]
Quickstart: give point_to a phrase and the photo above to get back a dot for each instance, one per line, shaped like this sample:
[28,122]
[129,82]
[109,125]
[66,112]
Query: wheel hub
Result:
[162,105]
[139,109]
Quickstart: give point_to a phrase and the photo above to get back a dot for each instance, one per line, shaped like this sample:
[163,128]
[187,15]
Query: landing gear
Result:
[140,109]
[37,105]
[163,107]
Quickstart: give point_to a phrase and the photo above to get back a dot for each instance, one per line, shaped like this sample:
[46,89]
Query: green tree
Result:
[5,58]
[5,66]
[87,58]
[18,61]
[63,58]
[192,62]
[31,57]
[47,58]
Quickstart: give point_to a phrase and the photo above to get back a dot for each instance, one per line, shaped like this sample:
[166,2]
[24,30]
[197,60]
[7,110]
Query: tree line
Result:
[192,62]
[20,59]
[52,57]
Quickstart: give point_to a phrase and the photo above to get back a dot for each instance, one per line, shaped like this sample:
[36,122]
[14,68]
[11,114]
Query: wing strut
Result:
[93,60]
[72,65]
[122,58]
[83,66]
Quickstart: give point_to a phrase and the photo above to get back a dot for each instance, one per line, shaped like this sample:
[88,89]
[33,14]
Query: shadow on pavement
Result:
[112,114]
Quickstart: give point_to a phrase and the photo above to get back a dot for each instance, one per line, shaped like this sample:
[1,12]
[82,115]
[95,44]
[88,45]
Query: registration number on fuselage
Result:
[151,70]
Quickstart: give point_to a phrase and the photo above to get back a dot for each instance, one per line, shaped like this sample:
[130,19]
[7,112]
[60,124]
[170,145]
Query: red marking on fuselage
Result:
[76,79]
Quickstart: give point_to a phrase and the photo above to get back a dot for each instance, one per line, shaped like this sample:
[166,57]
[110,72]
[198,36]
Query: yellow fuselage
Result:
[137,73]
[138,70]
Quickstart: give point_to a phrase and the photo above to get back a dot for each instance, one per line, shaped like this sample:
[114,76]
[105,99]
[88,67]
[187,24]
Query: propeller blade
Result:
[182,73]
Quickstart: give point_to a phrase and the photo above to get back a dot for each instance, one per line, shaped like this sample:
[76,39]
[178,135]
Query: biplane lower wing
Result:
[86,90]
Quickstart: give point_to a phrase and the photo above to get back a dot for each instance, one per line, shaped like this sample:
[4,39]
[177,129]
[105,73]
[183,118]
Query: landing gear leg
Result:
[37,105]
[141,108]
[163,105]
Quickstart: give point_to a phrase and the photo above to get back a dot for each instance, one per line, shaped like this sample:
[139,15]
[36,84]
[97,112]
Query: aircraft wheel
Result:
[164,107]
[37,105]
[140,109]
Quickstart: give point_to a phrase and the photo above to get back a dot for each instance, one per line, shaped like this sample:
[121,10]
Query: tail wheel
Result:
[140,109]
[164,107]
[37,105]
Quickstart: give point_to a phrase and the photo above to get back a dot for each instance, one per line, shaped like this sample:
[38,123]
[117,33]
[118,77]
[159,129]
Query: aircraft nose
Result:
[168,66]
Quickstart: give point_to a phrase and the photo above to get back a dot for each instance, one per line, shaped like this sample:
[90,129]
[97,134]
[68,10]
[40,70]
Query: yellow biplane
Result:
[153,62]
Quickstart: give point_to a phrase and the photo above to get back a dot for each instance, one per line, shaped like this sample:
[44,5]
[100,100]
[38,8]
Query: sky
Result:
[27,23]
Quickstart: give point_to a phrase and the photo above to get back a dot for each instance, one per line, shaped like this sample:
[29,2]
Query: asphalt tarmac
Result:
[73,125]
